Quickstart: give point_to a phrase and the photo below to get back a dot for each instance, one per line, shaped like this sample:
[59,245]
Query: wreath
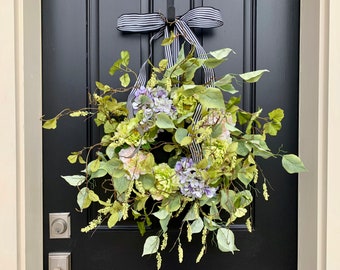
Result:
[176,149]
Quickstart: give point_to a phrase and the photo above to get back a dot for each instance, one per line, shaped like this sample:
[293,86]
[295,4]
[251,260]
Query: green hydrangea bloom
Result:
[166,182]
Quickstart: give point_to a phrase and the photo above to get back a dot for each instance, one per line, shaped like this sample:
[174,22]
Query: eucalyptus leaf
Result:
[292,164]
[113,219]
[164,121]
[180,134]
[197,225]
[164,223]
[161,214]
[121,184]
[226,240]
[151,245]
[221,53]
[213,62]
[253,76]
[83,198]
[74,180]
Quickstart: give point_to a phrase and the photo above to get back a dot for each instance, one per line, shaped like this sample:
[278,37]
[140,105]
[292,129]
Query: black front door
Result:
[80,43]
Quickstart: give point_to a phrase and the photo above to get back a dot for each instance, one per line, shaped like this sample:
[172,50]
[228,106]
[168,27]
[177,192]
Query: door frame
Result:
[21,201]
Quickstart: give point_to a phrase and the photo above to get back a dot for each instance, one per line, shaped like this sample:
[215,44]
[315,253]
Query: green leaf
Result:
[113,219]
[148,181]
[78,113]
[94,165]
[253,76]
[292,164]
[180,134]
[141,227]
[103,87]
[226,240]
[163,64]
[164,223]
[174,203]
[121,184]
[229,88]
[151,245]
[72,158]
[115,67]
[197,226]
[74,180]
[169,40]
[93,196]
[51,123]
[161,214]
[211,98]
[213,62]
[83,198]
[272,128]
[125,80]
[221,53]
[125,56]
[276,115]
[186,141]
[164,121]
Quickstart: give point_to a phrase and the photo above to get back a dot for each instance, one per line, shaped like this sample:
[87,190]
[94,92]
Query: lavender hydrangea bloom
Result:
[191,185]
[151,102]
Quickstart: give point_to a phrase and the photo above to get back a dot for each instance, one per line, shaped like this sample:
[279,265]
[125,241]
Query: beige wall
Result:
[20,159]
[20,156]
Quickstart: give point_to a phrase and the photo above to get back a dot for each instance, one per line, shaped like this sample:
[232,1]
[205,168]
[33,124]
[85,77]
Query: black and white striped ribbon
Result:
[200,17]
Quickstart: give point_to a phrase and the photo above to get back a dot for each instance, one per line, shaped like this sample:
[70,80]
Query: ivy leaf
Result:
[212,98]
[226,240]
[164,121]
[253,76]
[103,87]
[169,40]
[125,80]
[151,245]
[292,164]
[51,123]
[125,56]
[115,67]
[276,115]
[83,198]
[272,128]
[72,158]
[74,180]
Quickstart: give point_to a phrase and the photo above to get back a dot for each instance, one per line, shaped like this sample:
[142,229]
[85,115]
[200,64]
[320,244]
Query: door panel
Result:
[80,43]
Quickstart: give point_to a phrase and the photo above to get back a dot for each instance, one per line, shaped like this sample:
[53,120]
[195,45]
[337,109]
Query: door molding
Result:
[21,152]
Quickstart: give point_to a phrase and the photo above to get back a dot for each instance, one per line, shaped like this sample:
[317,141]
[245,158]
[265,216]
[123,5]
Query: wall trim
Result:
[21,201]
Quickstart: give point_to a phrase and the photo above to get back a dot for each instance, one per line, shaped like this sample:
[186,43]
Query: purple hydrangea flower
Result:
[191,185]
[151,102]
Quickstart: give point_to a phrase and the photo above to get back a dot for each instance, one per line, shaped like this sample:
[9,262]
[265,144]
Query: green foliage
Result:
[125,164]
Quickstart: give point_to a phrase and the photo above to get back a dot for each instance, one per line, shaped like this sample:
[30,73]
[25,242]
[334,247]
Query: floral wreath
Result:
[175,150]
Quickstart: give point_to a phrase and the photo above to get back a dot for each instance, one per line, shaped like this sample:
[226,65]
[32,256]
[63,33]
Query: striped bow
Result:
[200,17]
